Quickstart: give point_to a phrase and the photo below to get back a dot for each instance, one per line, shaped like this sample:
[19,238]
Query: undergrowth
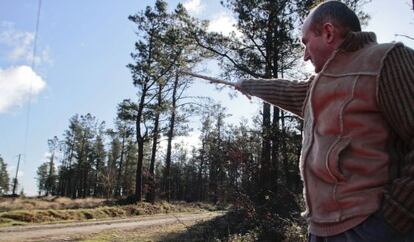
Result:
[25,216]
[44,203]
[238,226]
[275,218]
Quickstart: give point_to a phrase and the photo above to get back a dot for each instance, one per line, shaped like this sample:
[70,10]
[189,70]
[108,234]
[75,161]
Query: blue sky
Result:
[82,50]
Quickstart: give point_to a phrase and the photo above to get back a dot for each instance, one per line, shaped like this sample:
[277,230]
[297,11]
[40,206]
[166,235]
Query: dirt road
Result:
[67,231]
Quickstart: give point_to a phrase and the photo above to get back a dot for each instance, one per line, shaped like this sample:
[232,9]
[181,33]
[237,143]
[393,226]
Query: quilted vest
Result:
[344,163]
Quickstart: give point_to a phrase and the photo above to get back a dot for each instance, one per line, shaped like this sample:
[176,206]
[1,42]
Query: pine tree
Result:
[265,46]
[50,183]
[161,51]
[4,178]
[145,73]
[77,174]
[99,164]
[181,106]
[42,176]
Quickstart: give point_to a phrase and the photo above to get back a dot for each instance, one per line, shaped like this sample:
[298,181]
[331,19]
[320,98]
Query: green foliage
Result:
[46,172]
[151,63]
[4,177]
[42,174]
[161,51]
[82,148]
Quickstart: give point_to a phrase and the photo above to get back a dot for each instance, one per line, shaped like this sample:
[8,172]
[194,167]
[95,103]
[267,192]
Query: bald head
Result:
[324,31]
[335,12]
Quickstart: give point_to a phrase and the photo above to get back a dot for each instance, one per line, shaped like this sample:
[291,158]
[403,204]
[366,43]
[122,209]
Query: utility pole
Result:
[15,178]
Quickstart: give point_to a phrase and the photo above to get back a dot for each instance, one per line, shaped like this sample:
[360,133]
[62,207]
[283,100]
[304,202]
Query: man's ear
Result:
[329,32]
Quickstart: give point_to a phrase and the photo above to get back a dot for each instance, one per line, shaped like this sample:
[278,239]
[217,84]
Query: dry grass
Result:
[29,210]
[153,233]
[10,204]
[166,232]
[233,228]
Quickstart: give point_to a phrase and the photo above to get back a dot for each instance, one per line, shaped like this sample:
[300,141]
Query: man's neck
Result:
[357,40]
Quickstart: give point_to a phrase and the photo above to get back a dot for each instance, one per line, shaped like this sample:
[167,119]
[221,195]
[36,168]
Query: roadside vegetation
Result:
[241,223]
[235,226]
[21,211]
[22,203]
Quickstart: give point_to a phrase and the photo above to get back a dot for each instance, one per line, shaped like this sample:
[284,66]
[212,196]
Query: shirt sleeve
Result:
[286,94]
[396,99]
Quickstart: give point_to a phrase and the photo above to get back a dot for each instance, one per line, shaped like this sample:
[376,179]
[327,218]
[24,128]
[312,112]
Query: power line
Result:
[31,83]
[26,133]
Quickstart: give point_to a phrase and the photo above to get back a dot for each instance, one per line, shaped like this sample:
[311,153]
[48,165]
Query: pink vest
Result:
[344,163]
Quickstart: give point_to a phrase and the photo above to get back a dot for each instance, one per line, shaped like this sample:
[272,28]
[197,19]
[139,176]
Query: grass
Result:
[239,225]
[153,233]
[19,212]
[232,227]
[44,203]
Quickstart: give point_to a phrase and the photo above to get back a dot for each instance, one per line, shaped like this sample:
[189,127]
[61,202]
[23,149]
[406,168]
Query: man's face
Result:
[317,48]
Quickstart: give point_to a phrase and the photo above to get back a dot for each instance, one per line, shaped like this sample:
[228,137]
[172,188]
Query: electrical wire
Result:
[33,64]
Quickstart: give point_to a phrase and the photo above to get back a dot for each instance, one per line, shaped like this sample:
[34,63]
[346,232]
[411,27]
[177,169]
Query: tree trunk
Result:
[125,186]
[275,149]
[266,148]
[200,174]
[68,185]
[170,138]
[121,161]
[140,143]
[285,152]
[151,183]
[49,177]
[265,169]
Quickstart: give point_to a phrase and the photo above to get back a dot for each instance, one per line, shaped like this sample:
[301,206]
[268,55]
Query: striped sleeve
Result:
[396,98]
[286,94]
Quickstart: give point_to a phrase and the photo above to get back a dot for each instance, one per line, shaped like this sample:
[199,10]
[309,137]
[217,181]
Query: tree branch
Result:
[406,36]
[225,55]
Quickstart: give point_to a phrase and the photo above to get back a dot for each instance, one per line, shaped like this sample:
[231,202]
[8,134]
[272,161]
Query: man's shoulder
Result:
[400,55]
[381,50]
[395,46]
[383,46]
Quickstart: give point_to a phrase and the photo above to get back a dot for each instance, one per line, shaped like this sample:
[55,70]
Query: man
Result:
[357,159]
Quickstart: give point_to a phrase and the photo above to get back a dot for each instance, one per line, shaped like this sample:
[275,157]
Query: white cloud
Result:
[193,139]
[193,6]
[190,141]
[223,23]
[17,85]
[19,45]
